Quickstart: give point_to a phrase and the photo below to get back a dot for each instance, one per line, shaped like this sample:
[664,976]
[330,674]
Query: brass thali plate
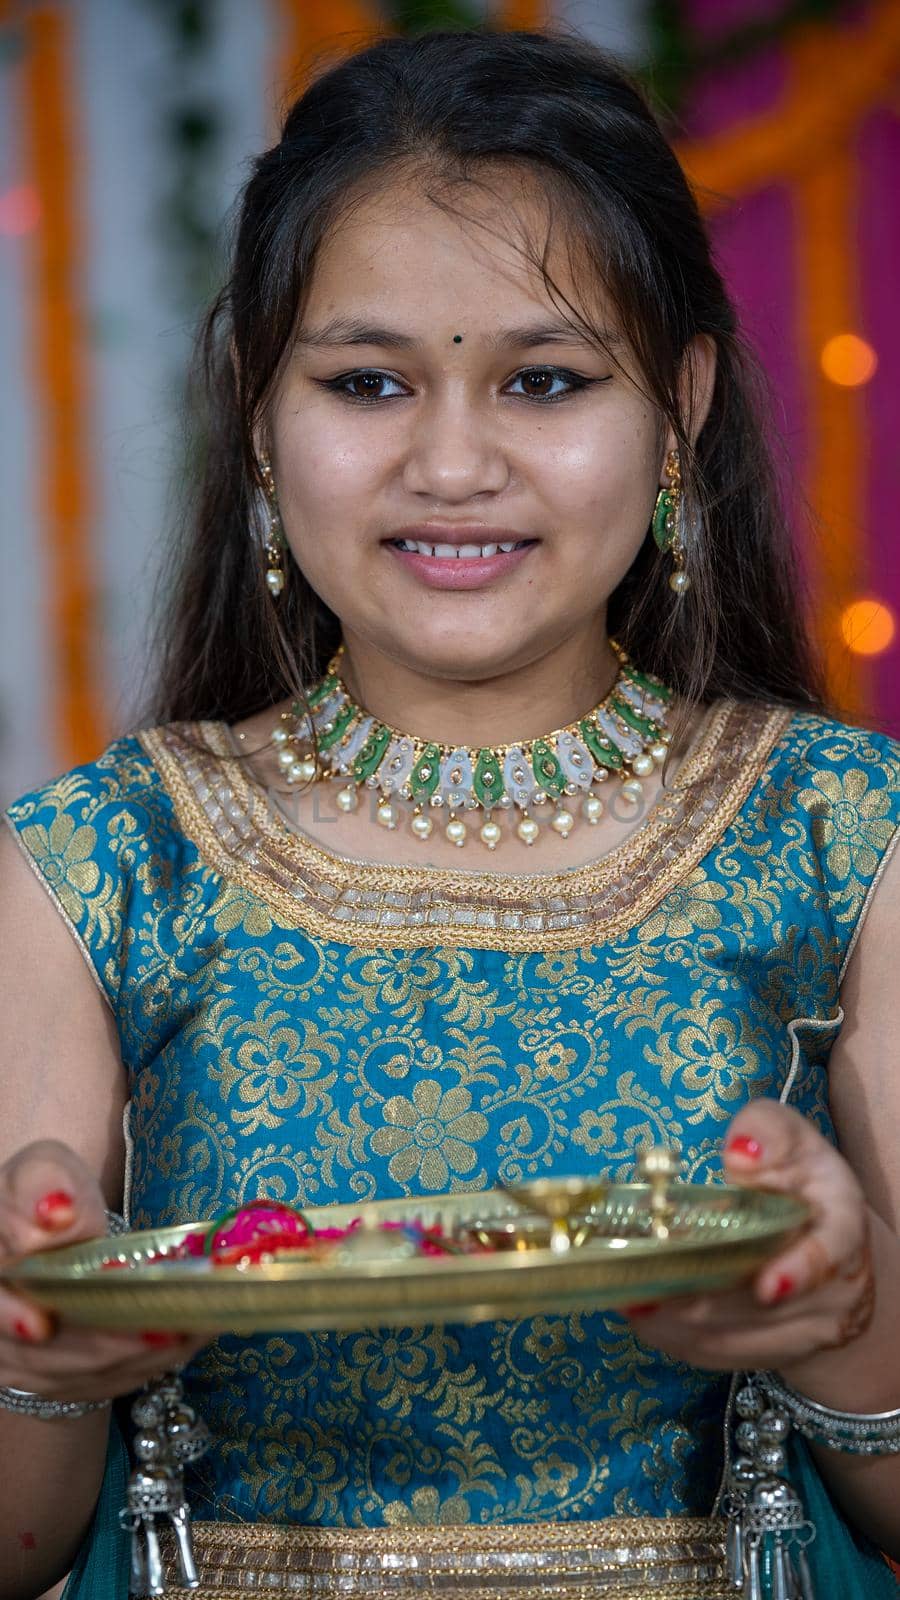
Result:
[716,1236]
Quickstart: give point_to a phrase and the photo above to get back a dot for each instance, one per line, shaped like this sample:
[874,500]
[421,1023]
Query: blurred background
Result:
[126,127]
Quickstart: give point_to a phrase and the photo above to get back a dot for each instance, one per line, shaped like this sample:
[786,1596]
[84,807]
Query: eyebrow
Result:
[351,331]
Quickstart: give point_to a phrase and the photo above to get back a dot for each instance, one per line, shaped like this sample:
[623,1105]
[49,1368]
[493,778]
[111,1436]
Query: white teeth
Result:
[453,552]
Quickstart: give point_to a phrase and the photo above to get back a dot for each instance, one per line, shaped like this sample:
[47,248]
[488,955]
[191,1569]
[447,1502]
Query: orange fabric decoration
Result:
[58,342]
[854,68]
[521,14]
[316,32]
[824,201]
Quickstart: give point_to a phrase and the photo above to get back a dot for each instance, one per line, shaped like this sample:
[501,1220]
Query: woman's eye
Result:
[550,375]
[342,385]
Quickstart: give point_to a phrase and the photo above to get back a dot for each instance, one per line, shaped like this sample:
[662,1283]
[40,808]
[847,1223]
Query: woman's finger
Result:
[48,1197]
[771,1146]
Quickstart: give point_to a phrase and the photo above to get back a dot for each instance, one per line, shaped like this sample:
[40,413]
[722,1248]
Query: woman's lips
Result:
[460,572]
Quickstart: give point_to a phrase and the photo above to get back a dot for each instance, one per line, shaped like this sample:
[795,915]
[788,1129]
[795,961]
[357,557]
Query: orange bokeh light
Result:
[848,360]
[868,627]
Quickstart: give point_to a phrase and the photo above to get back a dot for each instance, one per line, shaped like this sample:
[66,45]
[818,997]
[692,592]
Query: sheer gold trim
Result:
[228,816]
[640,1558]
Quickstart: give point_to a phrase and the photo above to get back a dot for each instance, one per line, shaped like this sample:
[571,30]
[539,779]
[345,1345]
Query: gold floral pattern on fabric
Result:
[275,1048]
[855,824]
[229,817]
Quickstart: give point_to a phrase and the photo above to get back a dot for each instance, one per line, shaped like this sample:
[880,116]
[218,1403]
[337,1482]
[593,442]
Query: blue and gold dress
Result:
[302,1026]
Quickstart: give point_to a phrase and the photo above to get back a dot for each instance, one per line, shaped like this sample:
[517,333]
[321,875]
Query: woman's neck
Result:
[526,702]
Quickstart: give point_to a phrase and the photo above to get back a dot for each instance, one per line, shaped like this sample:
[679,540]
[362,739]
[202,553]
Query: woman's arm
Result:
[809,1313]
[61,1078]
[62,1092]
[864,1093]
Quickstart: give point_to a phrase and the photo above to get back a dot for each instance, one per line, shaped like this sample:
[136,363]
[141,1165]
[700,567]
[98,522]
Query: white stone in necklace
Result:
[332,738]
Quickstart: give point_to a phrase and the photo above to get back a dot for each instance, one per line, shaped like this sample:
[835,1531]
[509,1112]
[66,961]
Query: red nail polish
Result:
[158,1341]
[643,1309]
[743,1144]
[54,1208]
[22,1331]
[783,1288]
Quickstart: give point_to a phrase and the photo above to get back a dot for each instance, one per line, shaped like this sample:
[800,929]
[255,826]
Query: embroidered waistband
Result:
[681,1558]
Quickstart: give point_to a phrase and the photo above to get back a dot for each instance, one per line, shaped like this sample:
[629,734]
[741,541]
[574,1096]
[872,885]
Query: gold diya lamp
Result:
[567,1204]
[659,1166]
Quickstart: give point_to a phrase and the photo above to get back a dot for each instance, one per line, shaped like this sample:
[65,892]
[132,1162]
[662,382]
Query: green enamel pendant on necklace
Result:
[472,792]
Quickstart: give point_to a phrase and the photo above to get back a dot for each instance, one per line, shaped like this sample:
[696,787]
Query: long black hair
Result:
[451,106]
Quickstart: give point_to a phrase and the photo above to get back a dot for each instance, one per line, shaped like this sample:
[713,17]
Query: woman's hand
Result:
[818,1295]
[48,1197]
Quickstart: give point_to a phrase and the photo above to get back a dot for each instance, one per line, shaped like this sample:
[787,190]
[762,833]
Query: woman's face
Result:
[441,420]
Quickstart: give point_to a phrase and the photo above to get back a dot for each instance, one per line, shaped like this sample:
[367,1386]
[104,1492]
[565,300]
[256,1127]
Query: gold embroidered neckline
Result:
[227,813]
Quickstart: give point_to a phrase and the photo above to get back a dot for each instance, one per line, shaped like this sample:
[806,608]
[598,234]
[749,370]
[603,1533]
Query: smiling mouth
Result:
[458,552]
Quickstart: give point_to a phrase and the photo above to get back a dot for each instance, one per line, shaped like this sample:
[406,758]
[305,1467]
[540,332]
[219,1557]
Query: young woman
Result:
[489,823]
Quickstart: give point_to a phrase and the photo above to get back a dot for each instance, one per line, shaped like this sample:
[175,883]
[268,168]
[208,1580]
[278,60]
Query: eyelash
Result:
[575,380]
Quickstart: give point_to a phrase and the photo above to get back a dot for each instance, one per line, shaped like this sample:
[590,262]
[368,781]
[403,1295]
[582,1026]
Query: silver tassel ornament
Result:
[767,1530]
[169,1436]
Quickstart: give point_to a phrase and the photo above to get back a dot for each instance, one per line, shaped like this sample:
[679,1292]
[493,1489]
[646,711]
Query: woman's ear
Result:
[696,382]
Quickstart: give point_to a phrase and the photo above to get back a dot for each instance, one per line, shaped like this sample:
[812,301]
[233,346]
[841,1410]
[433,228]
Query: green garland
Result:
[679,56]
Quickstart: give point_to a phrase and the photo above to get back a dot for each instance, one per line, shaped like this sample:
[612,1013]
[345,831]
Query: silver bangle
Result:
[27,1404]
[35,1405]
[857,1433]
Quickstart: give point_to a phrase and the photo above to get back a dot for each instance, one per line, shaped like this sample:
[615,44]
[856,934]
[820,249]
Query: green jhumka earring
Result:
[668,523]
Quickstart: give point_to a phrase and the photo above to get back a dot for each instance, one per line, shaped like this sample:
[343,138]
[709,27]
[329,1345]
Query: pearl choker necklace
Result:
[624,737]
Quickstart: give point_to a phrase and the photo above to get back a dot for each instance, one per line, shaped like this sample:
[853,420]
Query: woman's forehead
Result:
[478,261]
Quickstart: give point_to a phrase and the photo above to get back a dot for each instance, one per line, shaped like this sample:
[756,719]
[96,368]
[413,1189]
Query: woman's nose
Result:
[455,451]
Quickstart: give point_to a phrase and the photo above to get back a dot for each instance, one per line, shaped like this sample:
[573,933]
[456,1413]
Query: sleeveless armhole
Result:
[842,799]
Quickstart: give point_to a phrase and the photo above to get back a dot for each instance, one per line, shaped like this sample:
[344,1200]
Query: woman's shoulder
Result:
[125,774]
[122,788]
[110,812]
[105,840]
